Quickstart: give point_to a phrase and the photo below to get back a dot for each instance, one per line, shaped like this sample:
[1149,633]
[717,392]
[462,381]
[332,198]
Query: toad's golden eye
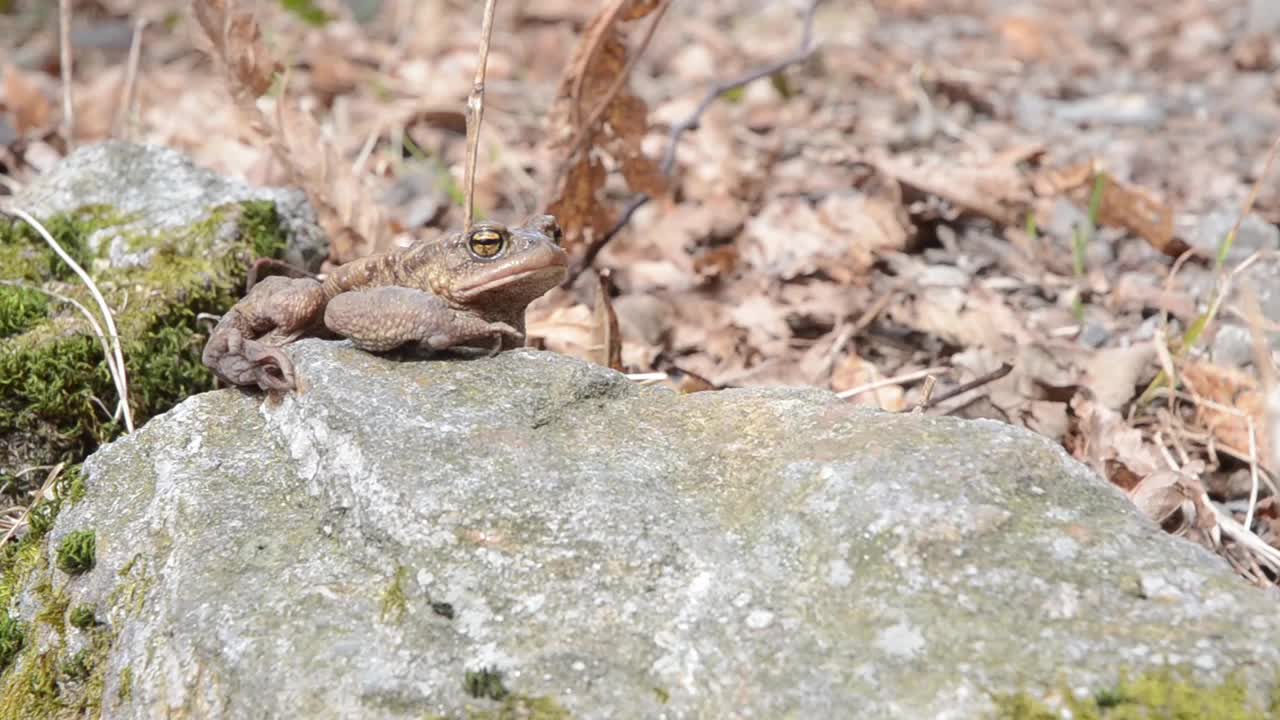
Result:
[487,244]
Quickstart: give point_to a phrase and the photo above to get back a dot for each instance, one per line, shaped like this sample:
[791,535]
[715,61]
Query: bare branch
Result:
[994,375]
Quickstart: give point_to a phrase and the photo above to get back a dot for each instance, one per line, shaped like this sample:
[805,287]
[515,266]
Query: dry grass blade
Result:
[349,215]
[93,324]
[124,119]
[1197,328]
[43,493]
[475,115]
[114,358]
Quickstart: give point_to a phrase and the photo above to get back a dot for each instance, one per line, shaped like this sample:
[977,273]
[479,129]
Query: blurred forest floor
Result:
[1026,211]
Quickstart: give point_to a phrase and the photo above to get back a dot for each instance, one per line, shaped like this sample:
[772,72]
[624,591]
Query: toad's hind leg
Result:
[244,348]
[387,317]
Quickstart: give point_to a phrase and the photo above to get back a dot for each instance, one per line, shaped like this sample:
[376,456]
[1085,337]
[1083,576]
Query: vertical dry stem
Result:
[475,113]
[64,39]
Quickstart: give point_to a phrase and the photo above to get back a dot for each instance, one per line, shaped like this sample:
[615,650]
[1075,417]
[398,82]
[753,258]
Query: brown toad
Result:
[465,289]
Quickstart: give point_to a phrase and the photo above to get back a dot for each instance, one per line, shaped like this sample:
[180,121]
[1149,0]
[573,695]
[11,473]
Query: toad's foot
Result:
[244,348]
[241,361]
[388,317]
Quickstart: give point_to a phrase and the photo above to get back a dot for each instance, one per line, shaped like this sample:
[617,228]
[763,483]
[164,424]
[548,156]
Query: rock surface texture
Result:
[406,535]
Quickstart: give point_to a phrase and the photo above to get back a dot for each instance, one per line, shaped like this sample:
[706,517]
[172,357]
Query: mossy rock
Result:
[166,243]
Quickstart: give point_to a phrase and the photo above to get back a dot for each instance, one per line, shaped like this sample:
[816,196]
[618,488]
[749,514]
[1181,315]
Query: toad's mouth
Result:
[544,274]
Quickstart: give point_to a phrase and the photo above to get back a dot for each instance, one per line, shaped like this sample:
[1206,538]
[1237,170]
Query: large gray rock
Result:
[367,547]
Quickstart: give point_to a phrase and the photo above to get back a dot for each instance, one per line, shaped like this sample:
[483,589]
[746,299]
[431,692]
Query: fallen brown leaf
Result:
[22,96]
[1228,388]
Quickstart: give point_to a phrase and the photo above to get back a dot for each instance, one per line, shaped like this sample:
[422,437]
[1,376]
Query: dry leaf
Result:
[567,331]
[22,96]
[1163,493]
[1122,205]
[1229,388]
[1112,374]
[852,371]
[606,341]
[596,68]
[997,191]
[1110,446]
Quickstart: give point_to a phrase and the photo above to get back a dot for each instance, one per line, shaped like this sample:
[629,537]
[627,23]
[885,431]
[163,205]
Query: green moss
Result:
[82,617]
[260,222]
[71,485]
[54,607]
[37,678]
[484,683]
[13,634]
[394,601]
[519,707]
[56,396]
[42,680]
[78,667]
[131,591]
[125,690]
[20,308]
[77,553]
[17,560]
[1160,695]
[26,256]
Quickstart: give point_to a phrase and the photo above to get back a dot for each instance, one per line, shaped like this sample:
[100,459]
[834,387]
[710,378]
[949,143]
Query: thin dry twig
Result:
[926,394]
[64,38]
[1004,369]
[475,114]
[896,380]
[803,52]
[113,336]
[1253,473]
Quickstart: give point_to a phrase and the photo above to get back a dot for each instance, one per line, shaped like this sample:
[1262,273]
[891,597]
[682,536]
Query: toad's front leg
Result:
[387,317]
[244,348]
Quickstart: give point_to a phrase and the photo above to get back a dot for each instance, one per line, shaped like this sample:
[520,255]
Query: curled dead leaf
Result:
[1113,448]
